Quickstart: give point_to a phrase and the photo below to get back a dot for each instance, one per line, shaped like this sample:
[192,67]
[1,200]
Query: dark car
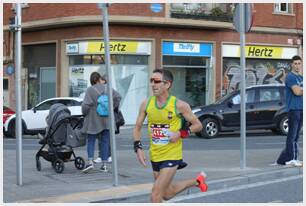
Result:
[265,109]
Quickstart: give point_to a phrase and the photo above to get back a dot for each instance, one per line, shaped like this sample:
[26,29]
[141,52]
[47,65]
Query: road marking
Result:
[274,143]
[214,192]
[276,201]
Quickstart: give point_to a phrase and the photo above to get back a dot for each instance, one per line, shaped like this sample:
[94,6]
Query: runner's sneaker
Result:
[88,167]
[109,159]
[98,160]
[201,182]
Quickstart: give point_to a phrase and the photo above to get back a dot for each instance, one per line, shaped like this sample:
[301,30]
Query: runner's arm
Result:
[137,132]
[185,110]
[140,119]
[196,125]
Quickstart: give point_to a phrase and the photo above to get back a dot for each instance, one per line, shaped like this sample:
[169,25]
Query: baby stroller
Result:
[63,133]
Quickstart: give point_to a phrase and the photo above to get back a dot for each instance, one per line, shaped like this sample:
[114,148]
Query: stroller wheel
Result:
[58,165]
[79,163]
[38,164]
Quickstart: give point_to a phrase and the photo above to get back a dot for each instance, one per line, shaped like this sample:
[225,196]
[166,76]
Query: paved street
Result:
[219,158]
[286,190]
[227,141]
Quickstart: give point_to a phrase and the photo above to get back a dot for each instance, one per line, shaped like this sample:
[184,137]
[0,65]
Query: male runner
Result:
[165,115]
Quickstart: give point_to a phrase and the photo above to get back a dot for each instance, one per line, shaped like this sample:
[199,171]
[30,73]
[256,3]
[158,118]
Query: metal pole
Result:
[242,87]
[110,93]
[18,94]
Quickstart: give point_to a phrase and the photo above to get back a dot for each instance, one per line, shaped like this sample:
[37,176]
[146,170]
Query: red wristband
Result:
[185,133]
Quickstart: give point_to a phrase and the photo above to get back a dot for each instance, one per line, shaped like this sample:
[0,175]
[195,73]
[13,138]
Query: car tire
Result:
[283,125]
[11,129]
[210,128]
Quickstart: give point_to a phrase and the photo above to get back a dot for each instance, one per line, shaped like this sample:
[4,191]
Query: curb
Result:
[129,192]
[215,184]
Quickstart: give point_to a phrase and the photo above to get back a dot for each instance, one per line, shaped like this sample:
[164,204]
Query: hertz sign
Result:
[263,52]
[115,47]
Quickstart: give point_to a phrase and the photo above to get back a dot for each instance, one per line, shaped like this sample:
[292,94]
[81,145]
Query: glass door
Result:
[47,83]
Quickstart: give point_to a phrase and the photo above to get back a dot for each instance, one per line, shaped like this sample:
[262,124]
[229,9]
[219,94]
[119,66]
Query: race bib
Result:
[160,134]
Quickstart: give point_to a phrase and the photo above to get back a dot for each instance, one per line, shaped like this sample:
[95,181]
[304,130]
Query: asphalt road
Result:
[286,190]
[226,141]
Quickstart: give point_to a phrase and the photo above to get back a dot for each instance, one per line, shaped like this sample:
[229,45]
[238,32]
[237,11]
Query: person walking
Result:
[165,114]
[96,126]
[294,106]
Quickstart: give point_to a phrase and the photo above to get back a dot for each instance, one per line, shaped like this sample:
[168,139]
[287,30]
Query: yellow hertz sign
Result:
[263,52]
[114,47]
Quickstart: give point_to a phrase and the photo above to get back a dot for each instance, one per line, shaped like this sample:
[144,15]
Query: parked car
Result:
[265,109]
[7,112]
[34,120]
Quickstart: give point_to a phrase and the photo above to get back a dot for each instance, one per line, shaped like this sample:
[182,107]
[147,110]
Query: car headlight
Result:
[196,110]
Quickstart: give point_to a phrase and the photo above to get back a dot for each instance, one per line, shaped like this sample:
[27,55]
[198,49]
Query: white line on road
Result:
[214,192]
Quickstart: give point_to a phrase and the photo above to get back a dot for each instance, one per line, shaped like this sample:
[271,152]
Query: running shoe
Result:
[201,182]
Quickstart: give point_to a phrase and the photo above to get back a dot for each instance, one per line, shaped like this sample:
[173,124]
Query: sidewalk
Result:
[221,166]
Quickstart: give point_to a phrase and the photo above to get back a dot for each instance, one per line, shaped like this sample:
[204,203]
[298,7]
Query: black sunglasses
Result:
[156,81]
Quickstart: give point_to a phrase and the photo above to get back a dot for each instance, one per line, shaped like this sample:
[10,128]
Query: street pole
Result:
[104,8]
[18,122]
[242,88]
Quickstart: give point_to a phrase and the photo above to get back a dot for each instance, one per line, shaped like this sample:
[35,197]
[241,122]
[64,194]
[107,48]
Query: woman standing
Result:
[96,126]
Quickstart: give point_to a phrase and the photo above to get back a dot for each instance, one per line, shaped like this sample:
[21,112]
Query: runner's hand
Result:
[175,137]
[141,157]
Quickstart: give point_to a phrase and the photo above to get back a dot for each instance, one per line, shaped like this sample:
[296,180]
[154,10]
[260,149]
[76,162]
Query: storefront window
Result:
[130,80]
[184,60]
[115,59]
[258,71]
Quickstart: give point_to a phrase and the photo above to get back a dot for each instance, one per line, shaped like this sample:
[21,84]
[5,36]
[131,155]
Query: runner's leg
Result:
[162,182]
[177,187]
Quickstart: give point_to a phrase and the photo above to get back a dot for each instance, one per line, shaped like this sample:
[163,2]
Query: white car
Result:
[34,120]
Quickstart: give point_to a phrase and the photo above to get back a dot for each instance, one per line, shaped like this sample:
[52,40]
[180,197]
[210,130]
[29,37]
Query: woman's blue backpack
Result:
[102,107]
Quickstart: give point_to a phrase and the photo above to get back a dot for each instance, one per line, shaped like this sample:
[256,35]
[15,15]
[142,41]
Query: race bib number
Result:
[160,134]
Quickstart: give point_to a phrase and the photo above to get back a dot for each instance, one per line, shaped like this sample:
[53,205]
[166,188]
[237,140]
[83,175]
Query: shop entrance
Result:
[191,82]
[47,83]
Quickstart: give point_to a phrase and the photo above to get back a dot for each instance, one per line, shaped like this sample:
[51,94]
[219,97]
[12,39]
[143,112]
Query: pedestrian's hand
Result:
[175,137]
[141,157]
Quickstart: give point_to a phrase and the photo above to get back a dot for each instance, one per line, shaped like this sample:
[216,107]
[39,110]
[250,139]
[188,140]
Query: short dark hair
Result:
[94,78]
[296,57]
[167,75]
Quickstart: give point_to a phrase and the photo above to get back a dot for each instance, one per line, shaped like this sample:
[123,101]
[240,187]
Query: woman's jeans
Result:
[104,145]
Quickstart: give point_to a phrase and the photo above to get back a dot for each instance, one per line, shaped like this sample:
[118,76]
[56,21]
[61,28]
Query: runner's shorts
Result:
[157,166]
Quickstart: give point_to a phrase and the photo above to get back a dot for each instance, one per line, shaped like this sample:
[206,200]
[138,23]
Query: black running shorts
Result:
[157,166]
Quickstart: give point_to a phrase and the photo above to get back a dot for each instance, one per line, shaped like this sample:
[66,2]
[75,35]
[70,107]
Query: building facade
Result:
[63,43]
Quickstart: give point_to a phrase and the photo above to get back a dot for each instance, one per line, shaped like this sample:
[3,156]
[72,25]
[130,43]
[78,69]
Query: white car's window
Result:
[46,105]
[66,102]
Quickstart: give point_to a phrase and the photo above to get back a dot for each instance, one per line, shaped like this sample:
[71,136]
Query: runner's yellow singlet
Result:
[161,122]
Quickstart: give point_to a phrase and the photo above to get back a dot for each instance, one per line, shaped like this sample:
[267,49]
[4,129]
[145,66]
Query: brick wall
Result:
[40,11]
